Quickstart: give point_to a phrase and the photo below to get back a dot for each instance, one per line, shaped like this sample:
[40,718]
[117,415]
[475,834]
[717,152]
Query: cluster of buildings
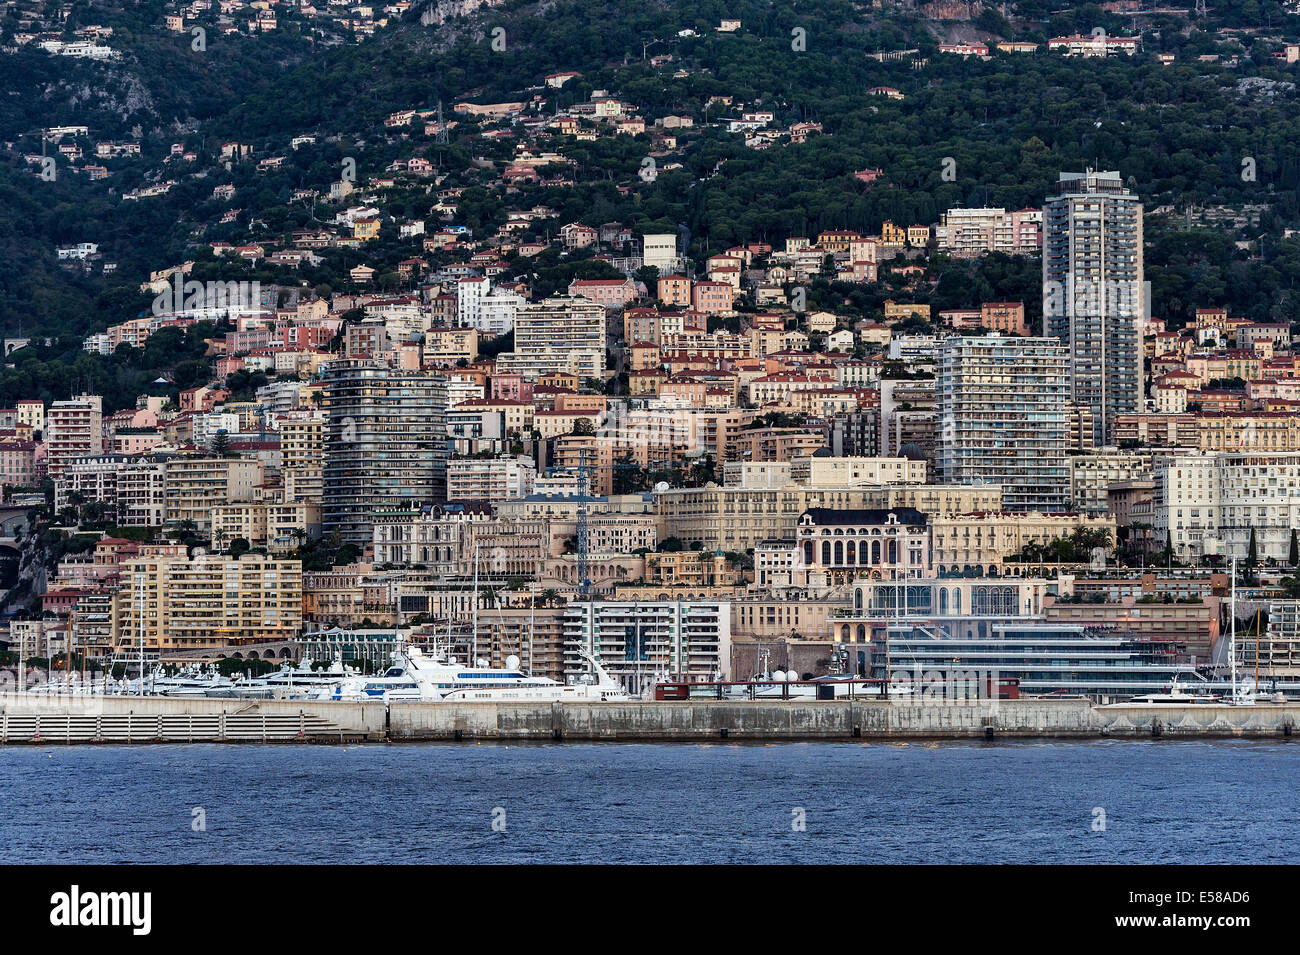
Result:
[1095,44]
[447,486]
[679,463]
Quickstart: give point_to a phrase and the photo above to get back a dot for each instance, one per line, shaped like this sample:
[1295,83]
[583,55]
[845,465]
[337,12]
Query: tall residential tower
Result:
[385,444]
[1093,291]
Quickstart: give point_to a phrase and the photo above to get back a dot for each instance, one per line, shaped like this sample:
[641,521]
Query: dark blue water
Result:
[1164,801]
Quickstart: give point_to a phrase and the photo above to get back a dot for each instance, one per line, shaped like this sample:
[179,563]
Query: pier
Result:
[50,720]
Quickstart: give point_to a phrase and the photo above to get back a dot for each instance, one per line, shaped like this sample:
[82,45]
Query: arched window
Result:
[851,553]
[893,551]
[839,553]
[875,552]
[943,600]
[826,553]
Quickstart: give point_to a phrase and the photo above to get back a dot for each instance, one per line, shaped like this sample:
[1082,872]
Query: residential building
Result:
[1093,292]
[180,603]
[74,429]
[1002,418]
[558,334]
[386,444]
[1209,504]
[1091,476]
[490,479]
[644,642]
[195,485]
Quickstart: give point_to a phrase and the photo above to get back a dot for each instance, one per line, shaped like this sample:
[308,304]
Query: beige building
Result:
[768,618]
[194,486]
[849,472]
[278,526]
[1091,476]
[208,601]
[450,345]
[776,444]
[302,454]
[983,541]
[1248,431]
[740,518]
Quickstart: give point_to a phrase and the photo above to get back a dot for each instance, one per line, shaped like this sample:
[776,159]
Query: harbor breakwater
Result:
[53,719]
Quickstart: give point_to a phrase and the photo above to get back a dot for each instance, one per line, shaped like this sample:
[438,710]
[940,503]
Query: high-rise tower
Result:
[385,444]
[1093,291]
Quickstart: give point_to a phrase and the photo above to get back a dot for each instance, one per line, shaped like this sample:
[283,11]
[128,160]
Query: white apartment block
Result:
[470,293]
[92,478]
[643,642]
[1208,504]
[142,494]
[1091,475]
[74,429]
[490,479]
[974,232]
[208,426]
[1002,418]
[559,334]
[497,310]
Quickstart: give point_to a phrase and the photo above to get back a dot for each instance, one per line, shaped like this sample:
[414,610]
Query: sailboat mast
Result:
[1258,635]
[1232,639]
[474,639]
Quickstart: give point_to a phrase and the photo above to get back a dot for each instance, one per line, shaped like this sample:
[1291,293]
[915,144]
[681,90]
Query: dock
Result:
[31,720]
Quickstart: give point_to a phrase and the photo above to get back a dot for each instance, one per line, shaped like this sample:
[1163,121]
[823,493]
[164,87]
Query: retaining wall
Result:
[29,719]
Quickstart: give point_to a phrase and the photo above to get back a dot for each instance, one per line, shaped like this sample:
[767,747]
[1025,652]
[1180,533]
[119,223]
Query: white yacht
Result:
[417,677]
[290,682]
[193,681]
[189,682]
[1172,697]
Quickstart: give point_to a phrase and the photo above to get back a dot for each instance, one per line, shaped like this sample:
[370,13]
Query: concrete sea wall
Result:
[828,720]
[40,720]
[28,719]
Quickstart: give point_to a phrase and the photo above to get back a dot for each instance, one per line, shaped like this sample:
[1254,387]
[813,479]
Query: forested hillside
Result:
[964,131]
